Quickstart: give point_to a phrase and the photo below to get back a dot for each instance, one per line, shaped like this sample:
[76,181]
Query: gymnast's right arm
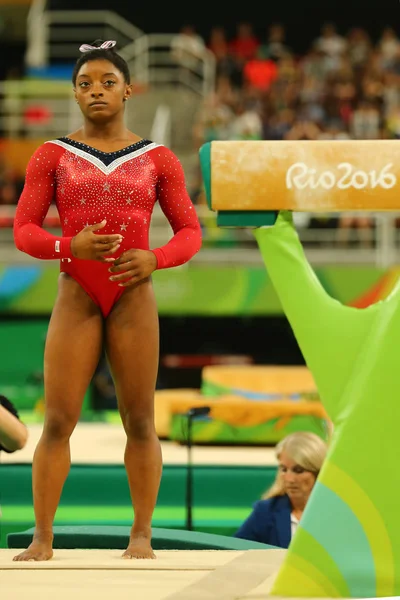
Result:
[33,205]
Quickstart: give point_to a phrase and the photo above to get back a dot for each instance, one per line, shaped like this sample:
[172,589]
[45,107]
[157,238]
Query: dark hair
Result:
[102,53]
[8,405]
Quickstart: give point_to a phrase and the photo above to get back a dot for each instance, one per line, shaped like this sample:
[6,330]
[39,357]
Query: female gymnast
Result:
[105,181]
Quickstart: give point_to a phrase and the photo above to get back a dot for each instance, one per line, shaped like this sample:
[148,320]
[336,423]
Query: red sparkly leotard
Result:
[87,186]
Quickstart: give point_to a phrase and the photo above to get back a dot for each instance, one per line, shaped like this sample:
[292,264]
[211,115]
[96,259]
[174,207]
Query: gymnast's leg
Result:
[72,352]
[132,346]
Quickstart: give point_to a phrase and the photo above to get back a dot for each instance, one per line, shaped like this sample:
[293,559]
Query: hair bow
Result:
[104,46]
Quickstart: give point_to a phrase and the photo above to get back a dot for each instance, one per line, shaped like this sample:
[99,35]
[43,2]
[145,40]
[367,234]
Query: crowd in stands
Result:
[344,87]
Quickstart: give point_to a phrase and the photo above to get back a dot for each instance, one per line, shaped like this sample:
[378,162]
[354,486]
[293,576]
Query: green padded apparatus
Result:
[230,218]
[348,540]
[205,164]
[117,538]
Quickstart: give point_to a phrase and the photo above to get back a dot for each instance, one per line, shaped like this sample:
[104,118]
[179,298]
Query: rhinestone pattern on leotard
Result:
[89,185]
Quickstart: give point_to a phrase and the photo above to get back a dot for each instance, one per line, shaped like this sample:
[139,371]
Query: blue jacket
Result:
[269,523]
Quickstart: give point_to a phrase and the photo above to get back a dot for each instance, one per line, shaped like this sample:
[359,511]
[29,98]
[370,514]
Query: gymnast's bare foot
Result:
[40,549]
[139,546]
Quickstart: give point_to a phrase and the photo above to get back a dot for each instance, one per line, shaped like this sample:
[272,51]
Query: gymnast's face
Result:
[297,482]
[100,90]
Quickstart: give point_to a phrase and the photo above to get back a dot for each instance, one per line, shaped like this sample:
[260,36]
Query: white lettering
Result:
[327,180]
[359,180]
[299,176]
[342,183]
[387,180]
[373,179]
[296,179]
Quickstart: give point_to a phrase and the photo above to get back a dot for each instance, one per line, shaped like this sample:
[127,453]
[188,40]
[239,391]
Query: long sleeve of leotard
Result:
[33,205]
[179,210]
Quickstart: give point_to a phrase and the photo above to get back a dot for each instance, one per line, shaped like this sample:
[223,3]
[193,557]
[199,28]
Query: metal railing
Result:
[57,35]
[31,109]
[67,29]
[44,110]
[161,129]
[153,61]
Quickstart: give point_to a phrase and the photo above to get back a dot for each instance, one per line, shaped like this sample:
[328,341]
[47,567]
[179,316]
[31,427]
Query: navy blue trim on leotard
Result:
[106,157]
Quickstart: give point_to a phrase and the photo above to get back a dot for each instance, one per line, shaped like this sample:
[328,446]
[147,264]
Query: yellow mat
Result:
[262,379]
[243,413]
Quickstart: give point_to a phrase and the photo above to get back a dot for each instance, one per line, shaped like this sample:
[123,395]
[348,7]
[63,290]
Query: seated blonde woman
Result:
[275,518]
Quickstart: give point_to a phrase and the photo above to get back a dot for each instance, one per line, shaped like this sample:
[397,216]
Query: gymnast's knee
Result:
[58,427]
[139,428]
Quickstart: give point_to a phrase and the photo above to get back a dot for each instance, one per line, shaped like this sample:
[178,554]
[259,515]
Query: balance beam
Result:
[247,182]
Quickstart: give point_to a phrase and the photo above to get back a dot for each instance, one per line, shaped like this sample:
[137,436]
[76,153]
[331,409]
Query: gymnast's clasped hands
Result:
[128,269]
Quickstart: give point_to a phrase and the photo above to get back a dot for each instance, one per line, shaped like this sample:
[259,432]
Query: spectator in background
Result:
[314,64]
[259,73]
[365,123]
[245,45]
[393,122]
[275,47]
[226,64]
[303,130]
[390,94]
[212,123]
[275,518]
[246,123]
[276,126]
[187,47]
[388,46]
[226,94]
[330,42]
[359,47]
[218,44]
[13,433]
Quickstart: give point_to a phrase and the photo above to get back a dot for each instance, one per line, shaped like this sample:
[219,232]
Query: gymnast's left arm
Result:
[177,206]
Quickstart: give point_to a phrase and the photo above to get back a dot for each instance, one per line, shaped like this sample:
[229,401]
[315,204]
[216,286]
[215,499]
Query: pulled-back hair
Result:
[306,449]
[99,53]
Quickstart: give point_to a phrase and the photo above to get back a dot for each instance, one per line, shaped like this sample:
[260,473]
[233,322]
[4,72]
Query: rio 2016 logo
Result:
[299,176]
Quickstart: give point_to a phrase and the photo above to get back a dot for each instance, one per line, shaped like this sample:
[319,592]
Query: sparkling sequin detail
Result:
[85,195]
[107,162]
